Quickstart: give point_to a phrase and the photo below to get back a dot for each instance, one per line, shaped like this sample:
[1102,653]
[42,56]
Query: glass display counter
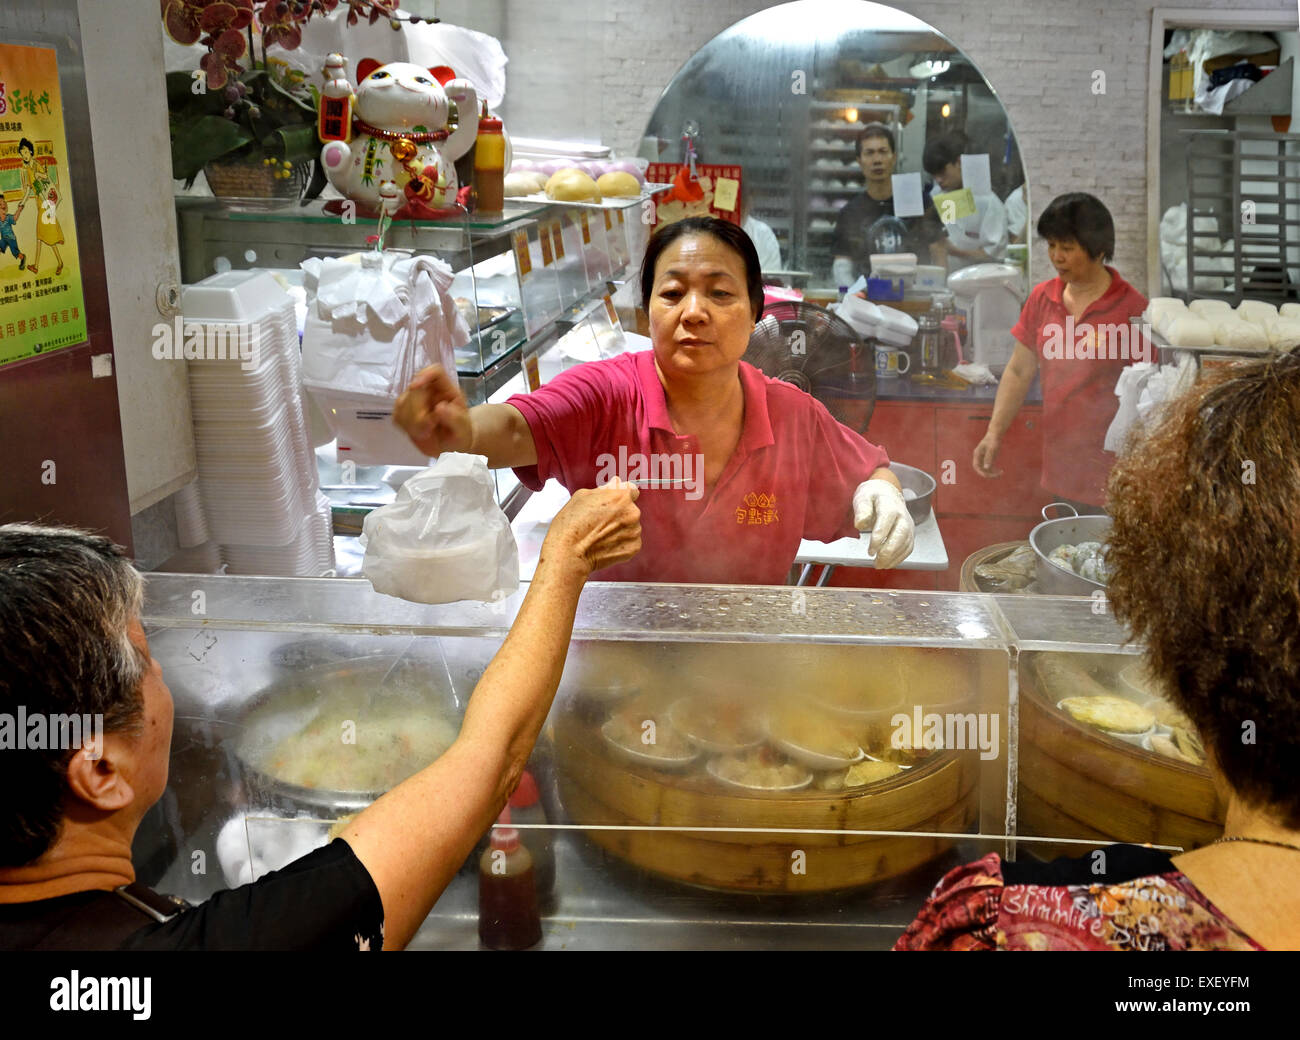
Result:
[522,279]
[515,272]
[723,766]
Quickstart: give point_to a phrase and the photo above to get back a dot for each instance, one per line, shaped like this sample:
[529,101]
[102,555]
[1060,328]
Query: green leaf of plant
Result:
[295,143]
[199,142]
[182,100]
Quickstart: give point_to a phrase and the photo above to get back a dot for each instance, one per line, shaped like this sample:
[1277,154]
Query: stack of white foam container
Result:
[257,472]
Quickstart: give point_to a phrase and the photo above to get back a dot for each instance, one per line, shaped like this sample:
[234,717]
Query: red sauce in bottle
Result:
[508,915]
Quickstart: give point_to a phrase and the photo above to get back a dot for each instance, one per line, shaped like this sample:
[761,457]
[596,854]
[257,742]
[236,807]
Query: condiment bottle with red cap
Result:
[525,807]
[489,164]
[508,915]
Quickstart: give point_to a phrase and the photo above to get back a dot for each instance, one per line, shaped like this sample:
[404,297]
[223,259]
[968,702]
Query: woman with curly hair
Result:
[1206,554]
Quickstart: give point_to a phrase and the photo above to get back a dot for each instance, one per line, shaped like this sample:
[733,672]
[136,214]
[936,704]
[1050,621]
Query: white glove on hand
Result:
[880,506]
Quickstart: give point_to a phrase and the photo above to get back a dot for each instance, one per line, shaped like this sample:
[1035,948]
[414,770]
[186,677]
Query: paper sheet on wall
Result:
[907,195]
[975,174]
[953,205]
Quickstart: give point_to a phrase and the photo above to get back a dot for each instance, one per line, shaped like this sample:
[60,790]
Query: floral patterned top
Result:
[1141,902]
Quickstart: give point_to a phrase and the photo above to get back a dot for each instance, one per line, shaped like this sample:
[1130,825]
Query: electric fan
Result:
[818,352]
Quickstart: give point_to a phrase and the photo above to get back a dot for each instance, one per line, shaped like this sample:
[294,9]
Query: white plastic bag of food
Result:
[444,538]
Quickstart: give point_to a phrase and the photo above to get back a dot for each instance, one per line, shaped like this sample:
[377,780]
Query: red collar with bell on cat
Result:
[419,137]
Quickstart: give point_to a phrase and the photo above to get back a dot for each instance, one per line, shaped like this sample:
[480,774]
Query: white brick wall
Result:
[594,69]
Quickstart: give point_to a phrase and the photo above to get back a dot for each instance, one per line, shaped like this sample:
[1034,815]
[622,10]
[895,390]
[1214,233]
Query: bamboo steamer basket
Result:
[969,581]
[940,794]
[1076,781]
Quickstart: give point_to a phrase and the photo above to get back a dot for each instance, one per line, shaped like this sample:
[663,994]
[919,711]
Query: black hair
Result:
[942,151]
[874,130]
[728,234]
[24,143]
[1081,218]
[67,599]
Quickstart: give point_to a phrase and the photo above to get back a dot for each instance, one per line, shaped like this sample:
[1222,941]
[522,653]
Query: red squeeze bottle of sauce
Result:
[525,807]
[489,165]
[508,916]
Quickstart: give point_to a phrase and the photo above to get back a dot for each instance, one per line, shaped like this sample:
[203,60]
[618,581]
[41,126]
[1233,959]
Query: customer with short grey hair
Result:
[71,643]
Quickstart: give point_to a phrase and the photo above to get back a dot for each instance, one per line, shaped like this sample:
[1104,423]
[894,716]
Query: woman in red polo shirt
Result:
[735,468]
[1074,330]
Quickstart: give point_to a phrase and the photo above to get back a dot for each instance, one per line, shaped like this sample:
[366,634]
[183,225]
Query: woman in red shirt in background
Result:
[739,468]
[1073,330]
[1207,577]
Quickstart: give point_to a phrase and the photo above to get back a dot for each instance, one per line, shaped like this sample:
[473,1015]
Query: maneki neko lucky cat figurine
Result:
[404,124]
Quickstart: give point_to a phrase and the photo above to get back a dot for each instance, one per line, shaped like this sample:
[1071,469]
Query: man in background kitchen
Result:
[1074,332]
[1017,215]
[860,227]
[976,238]
[71,642]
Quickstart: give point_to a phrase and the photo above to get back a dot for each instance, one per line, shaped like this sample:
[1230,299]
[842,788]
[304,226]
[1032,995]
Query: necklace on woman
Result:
[1260,841]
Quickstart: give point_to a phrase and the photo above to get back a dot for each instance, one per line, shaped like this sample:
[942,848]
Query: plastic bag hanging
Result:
[444,538]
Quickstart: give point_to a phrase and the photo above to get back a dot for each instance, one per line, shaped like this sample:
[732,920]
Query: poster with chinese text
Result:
[41,303]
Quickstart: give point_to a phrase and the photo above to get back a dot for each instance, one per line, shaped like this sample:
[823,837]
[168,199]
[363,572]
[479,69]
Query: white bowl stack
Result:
[257,471]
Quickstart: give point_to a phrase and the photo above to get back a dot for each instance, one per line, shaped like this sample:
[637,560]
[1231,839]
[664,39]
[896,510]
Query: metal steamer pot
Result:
[280,709]
[1067,530]
[920,483]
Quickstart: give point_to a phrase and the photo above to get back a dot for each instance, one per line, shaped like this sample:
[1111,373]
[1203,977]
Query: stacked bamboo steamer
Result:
[794,841]
[1077,781]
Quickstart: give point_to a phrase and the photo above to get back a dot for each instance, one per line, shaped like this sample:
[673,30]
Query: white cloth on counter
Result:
[978,375]
[1128,388]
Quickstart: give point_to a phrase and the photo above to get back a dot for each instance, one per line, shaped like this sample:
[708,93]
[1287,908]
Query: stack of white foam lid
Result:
[1252,326]
[886,324]
[257,471]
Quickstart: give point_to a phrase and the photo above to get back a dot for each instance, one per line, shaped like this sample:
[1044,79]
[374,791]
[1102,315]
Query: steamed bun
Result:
[1188,330]
[1236,334]
[1284,334]
[1211,309]
[524,182]
[572,185]
[618,184]
[1257,312]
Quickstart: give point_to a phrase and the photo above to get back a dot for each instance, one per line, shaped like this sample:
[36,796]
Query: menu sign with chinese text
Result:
[41,303]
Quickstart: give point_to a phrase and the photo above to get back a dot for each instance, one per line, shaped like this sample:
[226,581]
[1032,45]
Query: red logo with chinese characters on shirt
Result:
[759,508]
